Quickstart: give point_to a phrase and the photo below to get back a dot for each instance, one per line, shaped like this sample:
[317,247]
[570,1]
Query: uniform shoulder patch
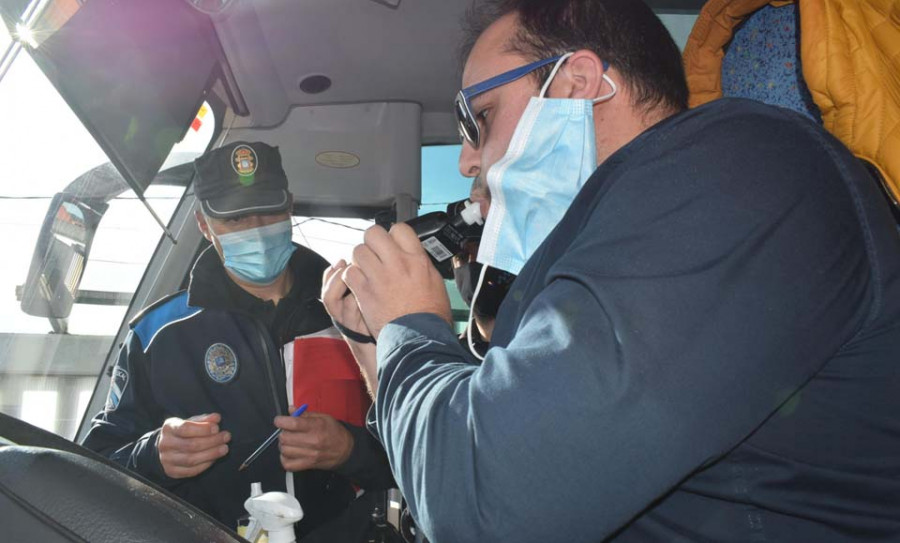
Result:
[117,385]
[221,363]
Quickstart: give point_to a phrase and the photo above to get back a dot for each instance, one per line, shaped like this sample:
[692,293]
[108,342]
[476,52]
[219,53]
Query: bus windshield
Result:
[49,364]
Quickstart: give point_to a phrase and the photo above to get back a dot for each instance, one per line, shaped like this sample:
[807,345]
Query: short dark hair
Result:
[625,33]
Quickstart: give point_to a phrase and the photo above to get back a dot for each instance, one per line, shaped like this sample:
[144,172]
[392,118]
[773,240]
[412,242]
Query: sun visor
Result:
[135,73]
[12,10]
[340,158]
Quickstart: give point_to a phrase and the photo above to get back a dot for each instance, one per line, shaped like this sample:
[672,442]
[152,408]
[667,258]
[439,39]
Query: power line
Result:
[328,222]
[302,235]
[329,240]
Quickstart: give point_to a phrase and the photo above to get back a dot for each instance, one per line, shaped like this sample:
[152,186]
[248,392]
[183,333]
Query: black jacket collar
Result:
[212,288]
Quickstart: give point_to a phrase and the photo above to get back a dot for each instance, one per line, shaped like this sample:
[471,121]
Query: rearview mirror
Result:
[60,255]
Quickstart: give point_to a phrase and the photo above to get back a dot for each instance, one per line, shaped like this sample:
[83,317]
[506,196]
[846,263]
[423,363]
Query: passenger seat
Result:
[837,62]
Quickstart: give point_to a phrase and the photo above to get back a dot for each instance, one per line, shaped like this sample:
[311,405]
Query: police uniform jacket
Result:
[216,348]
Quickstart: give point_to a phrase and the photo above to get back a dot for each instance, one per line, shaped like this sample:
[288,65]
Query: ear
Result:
[582,77]
[202,225]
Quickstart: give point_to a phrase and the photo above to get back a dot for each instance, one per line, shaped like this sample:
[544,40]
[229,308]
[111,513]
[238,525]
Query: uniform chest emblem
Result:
[221,363]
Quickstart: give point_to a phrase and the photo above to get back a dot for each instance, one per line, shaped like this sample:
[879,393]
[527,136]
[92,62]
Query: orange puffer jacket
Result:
[851,64]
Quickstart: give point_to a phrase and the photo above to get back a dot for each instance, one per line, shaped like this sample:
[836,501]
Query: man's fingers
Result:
[310,430]
[194,444]
[354,278]
[188,447]
[309,422]
[298,443]
[181,472]
[333,270]
[381,244]
[189,459]
[405,237]
[320,442]
[214,418]
[364,257]
[190,428]
[333,287]
[295,424]
[181,457]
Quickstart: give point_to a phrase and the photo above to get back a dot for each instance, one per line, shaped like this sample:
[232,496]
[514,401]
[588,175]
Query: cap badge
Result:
[221,363]
[243,160]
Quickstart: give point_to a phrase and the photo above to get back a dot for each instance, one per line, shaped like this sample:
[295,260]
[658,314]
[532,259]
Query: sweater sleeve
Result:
[567,424]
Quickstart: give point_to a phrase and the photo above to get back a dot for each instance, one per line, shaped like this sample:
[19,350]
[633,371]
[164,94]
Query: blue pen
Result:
[269,441]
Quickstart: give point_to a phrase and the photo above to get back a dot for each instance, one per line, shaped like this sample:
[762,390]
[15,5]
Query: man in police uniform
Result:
[206,372]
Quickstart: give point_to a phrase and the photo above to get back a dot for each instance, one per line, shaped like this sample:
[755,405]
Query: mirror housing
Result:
[60,255]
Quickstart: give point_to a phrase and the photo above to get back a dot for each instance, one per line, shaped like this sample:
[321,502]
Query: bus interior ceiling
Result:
[350,90]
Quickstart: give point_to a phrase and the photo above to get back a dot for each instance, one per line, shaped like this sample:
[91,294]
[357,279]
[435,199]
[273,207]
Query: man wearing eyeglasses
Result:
[701,344]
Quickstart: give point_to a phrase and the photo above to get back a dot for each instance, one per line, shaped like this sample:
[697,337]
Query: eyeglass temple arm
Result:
[510,76]
[506,77]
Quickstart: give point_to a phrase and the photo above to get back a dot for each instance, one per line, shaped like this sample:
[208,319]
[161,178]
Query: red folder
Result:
[327,378]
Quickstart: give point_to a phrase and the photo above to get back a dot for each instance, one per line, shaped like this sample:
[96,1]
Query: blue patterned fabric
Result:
[762,62]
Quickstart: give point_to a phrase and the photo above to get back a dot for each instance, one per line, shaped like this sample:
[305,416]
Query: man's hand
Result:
[341,304]
[339,301]
[188,447]
[391,276]
[313,441]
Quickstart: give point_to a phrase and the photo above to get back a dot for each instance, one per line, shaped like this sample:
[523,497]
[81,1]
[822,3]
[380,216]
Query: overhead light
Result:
[337,159]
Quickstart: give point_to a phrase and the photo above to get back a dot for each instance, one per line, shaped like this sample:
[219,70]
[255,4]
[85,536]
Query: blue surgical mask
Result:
[550,156]
[258,255]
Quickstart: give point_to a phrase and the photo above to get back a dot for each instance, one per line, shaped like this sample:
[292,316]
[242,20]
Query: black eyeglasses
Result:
[468,124]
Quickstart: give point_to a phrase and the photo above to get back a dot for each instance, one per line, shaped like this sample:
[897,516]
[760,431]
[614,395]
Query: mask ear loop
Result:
[472,314]
[606,97]
[553,73]
[610,94]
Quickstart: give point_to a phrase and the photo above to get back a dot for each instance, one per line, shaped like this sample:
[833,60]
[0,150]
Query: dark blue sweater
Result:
[706,348]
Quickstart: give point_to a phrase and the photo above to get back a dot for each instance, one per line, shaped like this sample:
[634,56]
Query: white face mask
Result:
[551,155]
